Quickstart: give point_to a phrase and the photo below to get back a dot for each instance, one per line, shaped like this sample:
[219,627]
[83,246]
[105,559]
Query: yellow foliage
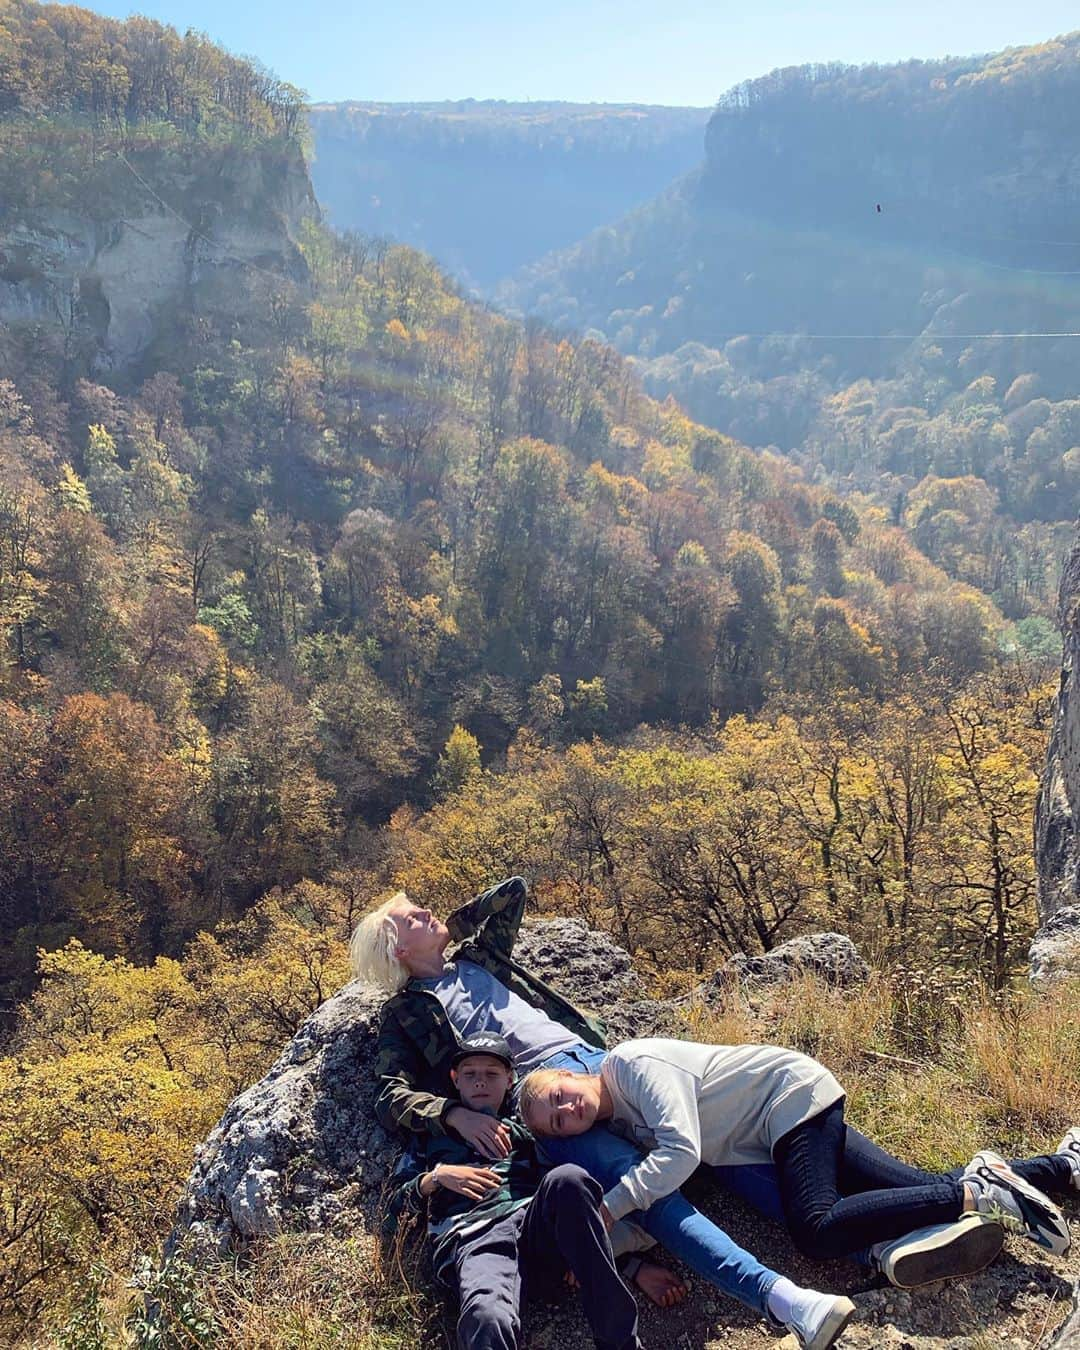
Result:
[117,1071]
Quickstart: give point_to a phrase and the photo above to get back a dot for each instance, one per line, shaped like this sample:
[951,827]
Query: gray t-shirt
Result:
[475,1001]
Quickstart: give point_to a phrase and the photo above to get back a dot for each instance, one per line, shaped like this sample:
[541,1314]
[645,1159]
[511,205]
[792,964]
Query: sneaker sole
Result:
[843,1310]
[1070,1148]
[1045,1222]
[962,1249]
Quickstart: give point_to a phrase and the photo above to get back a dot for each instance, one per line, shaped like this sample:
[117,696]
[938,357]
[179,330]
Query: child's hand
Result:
[486,1134]
[473,1182]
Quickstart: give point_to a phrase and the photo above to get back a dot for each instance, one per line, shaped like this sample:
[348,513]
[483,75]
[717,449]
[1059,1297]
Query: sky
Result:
[603,51]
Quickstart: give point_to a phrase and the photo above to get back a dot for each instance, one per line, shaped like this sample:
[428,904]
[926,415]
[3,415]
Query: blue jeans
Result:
[672,1221]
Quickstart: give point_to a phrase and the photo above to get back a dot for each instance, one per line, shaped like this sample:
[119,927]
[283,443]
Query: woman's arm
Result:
[667,1100]
[401,1103]
[494,917]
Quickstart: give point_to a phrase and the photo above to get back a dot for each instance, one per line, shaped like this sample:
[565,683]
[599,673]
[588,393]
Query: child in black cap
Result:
[502,1229]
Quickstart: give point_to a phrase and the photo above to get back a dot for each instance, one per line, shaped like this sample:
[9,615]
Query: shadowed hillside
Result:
[821,284]
[487,187]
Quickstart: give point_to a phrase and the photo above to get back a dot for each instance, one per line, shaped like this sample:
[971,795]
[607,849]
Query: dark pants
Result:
[559,1229]
[842,1193]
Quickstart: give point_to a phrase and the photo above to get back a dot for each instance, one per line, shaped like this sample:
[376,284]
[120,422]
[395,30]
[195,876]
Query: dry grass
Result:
[933,1071]
[317,1292]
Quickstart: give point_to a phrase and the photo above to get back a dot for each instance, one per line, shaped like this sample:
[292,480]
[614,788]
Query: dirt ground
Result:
[1019,1301]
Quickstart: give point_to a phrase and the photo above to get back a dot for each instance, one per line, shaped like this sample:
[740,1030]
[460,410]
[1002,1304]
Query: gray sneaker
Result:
[944,1251]
[1020,1207]
[1070,1148]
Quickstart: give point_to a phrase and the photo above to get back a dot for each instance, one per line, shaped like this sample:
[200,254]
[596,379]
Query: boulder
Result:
[1055,951]
[832,956]
[302,1148]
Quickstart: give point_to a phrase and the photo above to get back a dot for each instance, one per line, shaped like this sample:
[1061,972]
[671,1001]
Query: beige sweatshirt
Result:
[722,1104]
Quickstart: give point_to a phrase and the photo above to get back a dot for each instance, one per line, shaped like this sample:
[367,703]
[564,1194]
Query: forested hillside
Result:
[822,283]
[254,584]
[326,580]
[487,187]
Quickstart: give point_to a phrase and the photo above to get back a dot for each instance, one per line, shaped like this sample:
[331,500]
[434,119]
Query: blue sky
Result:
[644,51]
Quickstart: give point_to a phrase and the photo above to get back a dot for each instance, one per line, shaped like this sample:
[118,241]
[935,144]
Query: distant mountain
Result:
[864,223]
[487,187]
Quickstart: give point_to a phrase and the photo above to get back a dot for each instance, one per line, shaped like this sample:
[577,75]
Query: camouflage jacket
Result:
[416,1040]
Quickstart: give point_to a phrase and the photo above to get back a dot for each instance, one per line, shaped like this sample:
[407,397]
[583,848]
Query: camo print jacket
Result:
[416,1040]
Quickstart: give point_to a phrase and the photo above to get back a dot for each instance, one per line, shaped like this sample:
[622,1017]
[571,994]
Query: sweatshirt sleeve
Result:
[667,1100]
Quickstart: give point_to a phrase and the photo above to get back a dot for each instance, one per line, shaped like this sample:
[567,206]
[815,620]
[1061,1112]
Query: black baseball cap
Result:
[483,1043]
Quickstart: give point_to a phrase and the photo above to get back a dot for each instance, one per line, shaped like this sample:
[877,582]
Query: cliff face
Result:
[1056,948]
[182,234]
[1057,846]
[487,187]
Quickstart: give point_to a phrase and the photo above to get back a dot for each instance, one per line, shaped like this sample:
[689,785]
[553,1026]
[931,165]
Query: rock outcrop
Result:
[1057,810]
[302,1148]
[831,956]
[1055,952]
[1068,1336]
[107,280]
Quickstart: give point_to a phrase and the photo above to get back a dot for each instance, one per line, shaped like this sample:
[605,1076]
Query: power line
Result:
[877,337]
[1009,267]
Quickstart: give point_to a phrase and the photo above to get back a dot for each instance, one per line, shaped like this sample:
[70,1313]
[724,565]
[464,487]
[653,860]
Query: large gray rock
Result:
[302,1149]
[1057,810]
[1068,1336]
[831,956]
[1055,952]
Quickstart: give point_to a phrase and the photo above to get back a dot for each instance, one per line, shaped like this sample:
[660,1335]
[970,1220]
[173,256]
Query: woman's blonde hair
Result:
[372,948]
[533,1087]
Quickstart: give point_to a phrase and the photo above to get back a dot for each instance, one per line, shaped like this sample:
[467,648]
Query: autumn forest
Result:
[340,580]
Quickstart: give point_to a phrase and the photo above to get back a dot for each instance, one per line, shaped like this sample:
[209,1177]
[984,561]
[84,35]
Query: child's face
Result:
[482,1082]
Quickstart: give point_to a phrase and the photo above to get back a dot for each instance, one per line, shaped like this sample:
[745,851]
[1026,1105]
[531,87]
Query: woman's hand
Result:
[488,1136]
[473,1182]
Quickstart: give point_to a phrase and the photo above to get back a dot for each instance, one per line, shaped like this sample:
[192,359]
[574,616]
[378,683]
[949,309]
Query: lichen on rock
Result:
[1056,947]
[831,956]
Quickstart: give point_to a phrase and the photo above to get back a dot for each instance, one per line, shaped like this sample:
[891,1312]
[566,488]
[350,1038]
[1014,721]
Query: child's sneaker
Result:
[1020,1207]
[943,1251]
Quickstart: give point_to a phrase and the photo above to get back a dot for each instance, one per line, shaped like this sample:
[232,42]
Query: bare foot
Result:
[659,1284]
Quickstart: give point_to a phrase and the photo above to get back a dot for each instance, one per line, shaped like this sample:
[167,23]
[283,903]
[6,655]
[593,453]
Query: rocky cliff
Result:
[1057,811]
[182,230]
[487,187]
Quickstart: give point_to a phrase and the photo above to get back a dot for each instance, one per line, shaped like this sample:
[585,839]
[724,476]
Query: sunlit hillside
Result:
[864,311]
